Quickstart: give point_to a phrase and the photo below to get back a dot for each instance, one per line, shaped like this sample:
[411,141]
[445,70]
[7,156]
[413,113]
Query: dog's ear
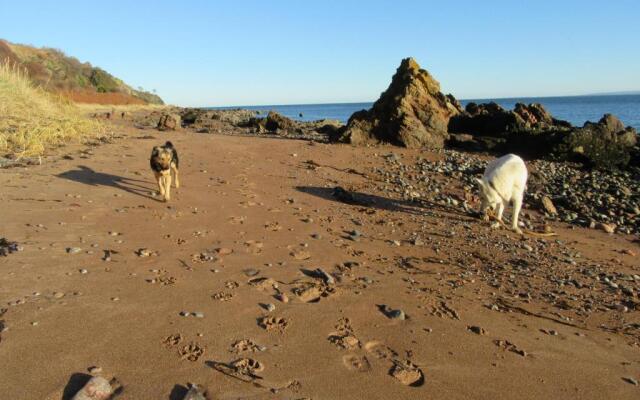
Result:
[155,151]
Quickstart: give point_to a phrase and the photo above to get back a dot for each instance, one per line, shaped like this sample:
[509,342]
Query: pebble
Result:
[198,314]
[476,329]
[269,307]
[83,271]
[282,297]
[185,313]
[95,370]
[58,295]
[73,250]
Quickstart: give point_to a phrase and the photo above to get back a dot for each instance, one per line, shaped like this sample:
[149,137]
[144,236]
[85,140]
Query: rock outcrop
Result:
[531,131]
[491,119]
[412,112]
[605,144]
[169,122]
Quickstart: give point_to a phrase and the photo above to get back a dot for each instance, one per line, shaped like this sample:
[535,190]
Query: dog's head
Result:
[488,196]
[162,156]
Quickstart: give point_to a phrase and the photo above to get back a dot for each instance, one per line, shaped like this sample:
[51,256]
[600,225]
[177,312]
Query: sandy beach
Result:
[256,282]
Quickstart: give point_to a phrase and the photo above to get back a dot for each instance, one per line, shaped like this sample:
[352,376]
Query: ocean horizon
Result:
[575,109]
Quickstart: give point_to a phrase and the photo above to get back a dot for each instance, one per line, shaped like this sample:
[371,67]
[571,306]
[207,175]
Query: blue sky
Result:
[199,53]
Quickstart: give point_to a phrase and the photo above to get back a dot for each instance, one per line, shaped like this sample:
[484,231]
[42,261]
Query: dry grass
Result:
[33,121]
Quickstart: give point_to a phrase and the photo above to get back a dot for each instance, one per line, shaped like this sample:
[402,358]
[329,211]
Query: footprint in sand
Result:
[273,226]
[356,363]
[273,323]
[172,340]
[345,342]
[264,284]
[247,366]
[231,284]
[380,350]
[344,337]
[222,296]
[191,352]
[246,345]
[407,373]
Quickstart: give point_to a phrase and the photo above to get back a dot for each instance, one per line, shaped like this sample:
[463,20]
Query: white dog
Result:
[504,181]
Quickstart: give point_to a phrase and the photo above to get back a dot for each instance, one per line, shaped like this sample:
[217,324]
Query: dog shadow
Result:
[364,200]
[89,176]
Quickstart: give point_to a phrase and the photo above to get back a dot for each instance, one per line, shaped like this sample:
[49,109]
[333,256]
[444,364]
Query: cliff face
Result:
[412,112]
[54,71]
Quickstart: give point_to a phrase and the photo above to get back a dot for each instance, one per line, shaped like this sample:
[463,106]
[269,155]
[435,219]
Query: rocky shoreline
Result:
[587,176]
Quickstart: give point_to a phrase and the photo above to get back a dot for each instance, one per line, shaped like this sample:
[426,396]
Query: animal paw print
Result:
[222,296]
[246,345]
[247,366]
[380,350]
[191,352]
[407,373]
[172,340]
[356,363]
[344,337]
[231,285]
[273,323]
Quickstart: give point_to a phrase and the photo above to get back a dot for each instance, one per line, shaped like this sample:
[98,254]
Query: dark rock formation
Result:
[412,112]
[169,122]
[531,131]
[605,144]
[491,119]
[279,123]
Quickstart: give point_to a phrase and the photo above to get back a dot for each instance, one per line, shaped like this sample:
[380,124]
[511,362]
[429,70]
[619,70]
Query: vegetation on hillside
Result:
[54,71]
[33,120]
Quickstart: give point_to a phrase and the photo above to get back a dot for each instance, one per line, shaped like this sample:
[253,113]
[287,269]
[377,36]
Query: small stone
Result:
[396,243]
[251,272]
[630,380]
[58,295]
[95,370]
[269,307]
[83,271]
[195,393]
[34,323]
[97,388]
[198,314]
[185,313]
[73,250]
[609,228]
[282,297]
[547,206]
[476,329]
[527,247]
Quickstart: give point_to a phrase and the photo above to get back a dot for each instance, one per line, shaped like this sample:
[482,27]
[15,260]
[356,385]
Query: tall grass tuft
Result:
[33,121]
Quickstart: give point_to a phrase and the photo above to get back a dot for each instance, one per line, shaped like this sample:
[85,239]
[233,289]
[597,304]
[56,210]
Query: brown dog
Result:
[163,160]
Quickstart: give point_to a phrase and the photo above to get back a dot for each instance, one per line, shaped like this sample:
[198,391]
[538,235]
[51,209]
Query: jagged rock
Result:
[276,122]
[491,119]
[412,112]
[169,122]
[605,144]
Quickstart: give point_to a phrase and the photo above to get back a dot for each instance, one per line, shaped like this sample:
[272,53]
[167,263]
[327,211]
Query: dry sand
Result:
[246,229]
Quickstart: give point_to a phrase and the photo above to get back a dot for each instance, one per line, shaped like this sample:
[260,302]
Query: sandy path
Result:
[254,197]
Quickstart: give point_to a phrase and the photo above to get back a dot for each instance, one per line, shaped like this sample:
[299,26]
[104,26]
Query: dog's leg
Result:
[175,172]
[167,189]
[499,215]
[517,205]
[160,183]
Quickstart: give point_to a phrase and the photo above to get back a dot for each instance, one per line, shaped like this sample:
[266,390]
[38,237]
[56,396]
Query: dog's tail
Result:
[168,144]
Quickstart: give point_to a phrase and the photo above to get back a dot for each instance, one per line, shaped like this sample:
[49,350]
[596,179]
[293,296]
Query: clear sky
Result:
[206,53]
